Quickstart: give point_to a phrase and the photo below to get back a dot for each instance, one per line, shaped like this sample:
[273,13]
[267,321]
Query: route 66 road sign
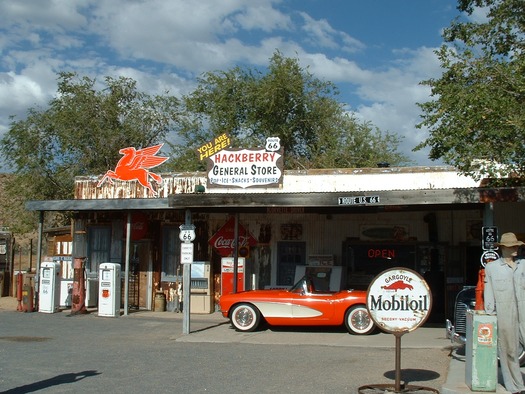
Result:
[490,237]
[187,232]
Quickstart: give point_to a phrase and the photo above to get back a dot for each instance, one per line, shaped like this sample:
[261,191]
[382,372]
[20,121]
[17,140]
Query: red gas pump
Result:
[78,298]
[19,286]
[480,287]
[24,294]
[27,298]
[227,275]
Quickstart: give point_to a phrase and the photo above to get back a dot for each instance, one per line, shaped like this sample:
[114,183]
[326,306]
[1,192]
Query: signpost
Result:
[187,236]
[399,301]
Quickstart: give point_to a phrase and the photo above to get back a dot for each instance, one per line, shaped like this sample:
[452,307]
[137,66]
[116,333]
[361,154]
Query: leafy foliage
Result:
[80,134]
[286,102]
[477,117]
[84,127]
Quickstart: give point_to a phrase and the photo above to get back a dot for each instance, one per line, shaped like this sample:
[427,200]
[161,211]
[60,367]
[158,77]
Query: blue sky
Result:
[375,51]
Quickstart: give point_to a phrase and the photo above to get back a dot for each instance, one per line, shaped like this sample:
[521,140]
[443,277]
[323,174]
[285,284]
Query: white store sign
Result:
[245,168]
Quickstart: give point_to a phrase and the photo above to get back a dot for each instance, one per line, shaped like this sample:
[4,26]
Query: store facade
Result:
[349,224]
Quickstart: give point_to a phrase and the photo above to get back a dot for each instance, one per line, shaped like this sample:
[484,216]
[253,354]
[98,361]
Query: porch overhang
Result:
[342,199]
[210,201]
[120,204]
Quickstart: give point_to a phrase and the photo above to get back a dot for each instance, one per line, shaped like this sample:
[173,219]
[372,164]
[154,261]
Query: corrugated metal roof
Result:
[313,188]
[308,181]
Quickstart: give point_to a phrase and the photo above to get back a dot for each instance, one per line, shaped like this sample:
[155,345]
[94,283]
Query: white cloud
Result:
[320,33]
[164,45]
[50,15]
[262,16]
[19,92]
[479,15]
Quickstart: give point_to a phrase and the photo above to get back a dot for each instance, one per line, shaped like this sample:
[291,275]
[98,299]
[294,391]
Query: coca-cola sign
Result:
[139,226]
[399,300]
[223,240]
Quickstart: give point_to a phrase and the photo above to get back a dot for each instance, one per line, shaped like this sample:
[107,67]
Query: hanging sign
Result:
[139,226]
[358,200]
[223,240]
[399,300]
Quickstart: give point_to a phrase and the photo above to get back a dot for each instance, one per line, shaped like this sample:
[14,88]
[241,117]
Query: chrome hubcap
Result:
[360,320]
[244,317]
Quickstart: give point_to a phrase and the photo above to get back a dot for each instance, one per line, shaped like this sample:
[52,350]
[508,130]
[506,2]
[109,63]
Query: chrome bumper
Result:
[453,335]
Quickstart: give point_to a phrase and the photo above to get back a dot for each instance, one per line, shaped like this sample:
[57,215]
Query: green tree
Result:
[286,102]
[477,116]
[80,133]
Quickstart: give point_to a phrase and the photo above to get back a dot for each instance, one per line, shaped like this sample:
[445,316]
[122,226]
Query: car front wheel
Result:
[358,321]
[245,317]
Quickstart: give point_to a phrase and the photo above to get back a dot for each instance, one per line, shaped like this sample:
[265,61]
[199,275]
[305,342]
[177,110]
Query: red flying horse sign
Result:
[134,165]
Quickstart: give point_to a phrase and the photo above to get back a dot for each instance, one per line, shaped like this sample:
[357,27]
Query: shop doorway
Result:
[140,276]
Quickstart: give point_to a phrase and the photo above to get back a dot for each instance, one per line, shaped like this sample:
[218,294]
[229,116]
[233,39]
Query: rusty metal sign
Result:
[399,300]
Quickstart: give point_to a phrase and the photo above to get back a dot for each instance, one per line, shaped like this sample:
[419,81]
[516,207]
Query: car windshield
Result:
[303,285]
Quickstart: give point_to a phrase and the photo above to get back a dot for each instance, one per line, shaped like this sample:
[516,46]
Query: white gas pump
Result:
[109,290]
[49,289]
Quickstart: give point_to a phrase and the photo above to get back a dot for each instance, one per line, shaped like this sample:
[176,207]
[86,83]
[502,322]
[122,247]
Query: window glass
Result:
[290,255]
[170,254]
[99,247]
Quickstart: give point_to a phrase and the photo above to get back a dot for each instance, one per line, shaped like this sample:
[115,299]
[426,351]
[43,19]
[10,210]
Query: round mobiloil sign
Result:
[399,300]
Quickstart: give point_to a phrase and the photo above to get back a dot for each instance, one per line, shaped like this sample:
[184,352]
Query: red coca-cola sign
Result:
[139,226]
[223,239]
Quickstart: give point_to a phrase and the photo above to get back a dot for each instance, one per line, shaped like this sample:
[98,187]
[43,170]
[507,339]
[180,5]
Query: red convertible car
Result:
[301,305]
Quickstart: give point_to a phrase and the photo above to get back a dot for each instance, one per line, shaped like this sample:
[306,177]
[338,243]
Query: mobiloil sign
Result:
[399,300]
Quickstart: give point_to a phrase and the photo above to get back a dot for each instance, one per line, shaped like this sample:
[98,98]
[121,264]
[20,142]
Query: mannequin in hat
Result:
[504,296]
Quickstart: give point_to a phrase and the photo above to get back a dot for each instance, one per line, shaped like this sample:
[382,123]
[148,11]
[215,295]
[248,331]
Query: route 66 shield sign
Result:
[273,144]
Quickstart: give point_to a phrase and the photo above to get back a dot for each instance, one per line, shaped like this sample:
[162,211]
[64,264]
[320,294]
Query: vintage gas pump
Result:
[49,289]
[481,352]
[480,288]
[27,298]
[78,298]
[227,275]
[109,290]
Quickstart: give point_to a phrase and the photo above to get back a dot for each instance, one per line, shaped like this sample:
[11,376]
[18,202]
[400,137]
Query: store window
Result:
[366,260]
[99,247]
[171,269]
[289,256]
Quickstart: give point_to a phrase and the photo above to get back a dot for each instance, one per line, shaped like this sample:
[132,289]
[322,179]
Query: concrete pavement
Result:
[421,338]
[214,328]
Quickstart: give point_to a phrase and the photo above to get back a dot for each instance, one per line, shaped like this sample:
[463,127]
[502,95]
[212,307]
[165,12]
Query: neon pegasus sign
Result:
[135,165]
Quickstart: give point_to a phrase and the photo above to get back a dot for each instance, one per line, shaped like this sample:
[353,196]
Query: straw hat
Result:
[509,240]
